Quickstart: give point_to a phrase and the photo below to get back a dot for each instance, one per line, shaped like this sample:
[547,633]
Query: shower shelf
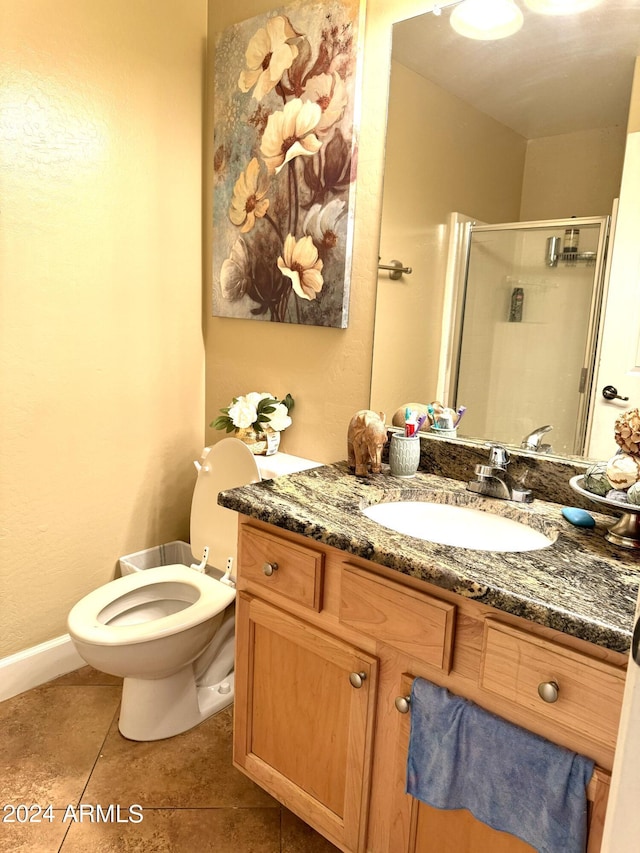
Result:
[572,257]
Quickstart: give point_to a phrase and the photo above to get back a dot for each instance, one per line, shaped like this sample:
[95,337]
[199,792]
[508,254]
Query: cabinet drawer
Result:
[286,568]
[410,621]
[589,691]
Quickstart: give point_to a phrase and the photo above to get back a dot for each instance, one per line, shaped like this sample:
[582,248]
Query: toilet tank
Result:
[283,463]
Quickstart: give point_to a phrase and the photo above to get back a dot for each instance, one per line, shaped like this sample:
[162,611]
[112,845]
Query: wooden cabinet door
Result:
[420,828]
[457,831]
[302,730]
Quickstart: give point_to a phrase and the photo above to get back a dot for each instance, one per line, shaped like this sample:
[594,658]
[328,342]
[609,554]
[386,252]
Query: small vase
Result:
[259,443]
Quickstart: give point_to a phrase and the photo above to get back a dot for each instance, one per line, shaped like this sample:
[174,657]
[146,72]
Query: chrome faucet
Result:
[533,441]
[492,480]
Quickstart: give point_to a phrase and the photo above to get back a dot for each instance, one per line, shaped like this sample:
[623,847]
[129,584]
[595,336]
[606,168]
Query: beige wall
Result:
[102,385]
[441,156]
[102,363]
[573,174]
[326,370]
[102,359]
[633,125]
[444,156]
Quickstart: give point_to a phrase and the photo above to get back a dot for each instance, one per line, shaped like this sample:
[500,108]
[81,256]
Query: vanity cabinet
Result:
[304,702]
[327,647]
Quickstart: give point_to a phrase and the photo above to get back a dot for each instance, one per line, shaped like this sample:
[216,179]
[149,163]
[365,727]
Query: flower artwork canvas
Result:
[285,164]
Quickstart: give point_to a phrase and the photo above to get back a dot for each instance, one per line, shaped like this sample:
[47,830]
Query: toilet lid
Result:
[225,465]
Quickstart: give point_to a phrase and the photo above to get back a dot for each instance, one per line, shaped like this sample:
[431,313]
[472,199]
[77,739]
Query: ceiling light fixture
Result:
[487,20]
[561,7]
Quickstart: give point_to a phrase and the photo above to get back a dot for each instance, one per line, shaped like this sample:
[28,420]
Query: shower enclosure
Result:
[525,326]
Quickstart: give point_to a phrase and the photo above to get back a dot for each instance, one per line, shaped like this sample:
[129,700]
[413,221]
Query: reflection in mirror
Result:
[528,128]
[524,351]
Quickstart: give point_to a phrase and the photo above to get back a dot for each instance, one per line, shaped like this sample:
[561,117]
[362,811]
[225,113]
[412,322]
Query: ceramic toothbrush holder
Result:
[404,455]
[444,433]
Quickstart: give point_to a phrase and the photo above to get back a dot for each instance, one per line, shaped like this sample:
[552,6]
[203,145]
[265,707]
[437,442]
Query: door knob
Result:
[611,393]
[269,569]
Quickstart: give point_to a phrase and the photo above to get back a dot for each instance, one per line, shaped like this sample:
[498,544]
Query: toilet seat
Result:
[204,597]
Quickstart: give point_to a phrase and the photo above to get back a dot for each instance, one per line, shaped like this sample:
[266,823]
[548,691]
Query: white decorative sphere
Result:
[623,471]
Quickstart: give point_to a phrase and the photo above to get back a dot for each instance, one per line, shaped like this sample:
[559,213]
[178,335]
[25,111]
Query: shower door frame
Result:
[594,328]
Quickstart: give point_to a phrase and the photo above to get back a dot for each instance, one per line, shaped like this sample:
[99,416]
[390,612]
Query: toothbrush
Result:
[460,413]
[421,420]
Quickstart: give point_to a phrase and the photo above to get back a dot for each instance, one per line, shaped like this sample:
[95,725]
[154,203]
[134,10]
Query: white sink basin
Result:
[460,526]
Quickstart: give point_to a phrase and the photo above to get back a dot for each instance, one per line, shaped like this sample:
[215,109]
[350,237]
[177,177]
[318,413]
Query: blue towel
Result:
[463,757]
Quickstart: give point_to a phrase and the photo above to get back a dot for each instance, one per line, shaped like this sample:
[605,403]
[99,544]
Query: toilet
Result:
[169,631]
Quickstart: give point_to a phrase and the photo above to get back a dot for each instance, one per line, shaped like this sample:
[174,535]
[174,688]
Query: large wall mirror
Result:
[521,136]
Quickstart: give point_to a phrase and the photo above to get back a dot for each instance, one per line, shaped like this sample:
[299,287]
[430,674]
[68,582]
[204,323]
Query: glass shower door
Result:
[529,327]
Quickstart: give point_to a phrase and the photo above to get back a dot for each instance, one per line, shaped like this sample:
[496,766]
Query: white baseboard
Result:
[37,665]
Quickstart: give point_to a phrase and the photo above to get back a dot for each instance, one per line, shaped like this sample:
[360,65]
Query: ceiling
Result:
[557,75]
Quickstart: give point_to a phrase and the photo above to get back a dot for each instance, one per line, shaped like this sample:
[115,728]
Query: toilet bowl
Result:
[168,631]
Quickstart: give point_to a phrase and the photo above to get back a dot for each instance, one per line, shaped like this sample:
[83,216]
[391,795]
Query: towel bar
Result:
[396,269]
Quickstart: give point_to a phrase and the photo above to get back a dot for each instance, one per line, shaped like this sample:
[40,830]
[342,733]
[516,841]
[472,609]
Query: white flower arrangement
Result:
[257,412]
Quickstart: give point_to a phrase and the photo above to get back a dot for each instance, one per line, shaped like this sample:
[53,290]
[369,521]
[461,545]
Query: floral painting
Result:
[285,164]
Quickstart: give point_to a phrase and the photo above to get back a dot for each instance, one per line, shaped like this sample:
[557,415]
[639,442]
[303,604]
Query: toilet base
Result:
[153,709]
[216,697]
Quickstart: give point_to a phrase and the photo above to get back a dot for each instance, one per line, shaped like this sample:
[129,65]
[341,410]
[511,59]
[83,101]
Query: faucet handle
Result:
[498,456]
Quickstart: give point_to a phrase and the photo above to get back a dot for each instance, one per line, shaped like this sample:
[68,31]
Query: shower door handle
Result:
[611,393]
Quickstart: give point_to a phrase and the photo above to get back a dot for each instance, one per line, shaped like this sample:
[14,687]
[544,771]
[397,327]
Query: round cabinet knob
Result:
[269,569]
[403,704]
[548,691]
[357,679]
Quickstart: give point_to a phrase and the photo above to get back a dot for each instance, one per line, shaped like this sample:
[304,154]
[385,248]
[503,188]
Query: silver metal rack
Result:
[554,254]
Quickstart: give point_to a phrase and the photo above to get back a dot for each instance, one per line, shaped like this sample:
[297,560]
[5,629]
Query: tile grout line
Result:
[93,767]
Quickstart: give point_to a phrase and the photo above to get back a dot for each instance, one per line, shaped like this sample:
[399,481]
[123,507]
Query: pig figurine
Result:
[366,437]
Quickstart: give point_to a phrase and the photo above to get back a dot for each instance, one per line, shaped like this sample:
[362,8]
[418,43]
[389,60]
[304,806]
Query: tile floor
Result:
[60,747]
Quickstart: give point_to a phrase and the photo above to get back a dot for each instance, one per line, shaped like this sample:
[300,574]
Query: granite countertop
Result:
[581,584]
